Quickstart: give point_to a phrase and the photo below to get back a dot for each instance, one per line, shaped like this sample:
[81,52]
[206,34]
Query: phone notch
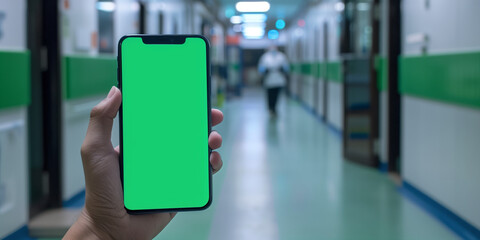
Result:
[164,39]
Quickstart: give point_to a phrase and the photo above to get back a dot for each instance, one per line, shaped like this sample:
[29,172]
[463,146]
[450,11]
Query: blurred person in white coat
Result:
[274,68]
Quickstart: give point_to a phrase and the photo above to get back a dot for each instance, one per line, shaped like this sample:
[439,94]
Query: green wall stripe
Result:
[318,70]
[306,68]
[296,68]
[234,66]
[14,79]
[85,76]
[381,65]
[334,72]
[452,78]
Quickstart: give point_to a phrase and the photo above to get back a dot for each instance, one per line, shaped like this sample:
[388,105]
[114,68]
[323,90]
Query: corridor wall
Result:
[312,67]
[87,76]
[440,85]
[14,100]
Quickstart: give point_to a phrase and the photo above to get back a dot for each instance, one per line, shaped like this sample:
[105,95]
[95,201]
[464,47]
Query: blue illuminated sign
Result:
[280,24]
[273,34]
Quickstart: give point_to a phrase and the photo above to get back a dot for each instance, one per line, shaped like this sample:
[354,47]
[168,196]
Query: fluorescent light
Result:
[253,18]
[340,6]
[236,19]
[261,6]
[254,25]
[106,6]
[253,32]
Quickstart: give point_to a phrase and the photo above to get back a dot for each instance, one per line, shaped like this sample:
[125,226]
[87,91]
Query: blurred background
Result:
[375,137]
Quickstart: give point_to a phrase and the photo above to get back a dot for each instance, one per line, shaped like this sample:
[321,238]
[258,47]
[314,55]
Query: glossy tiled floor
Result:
[286,179]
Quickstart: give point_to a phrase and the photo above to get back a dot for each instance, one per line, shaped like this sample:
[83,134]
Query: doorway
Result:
[360,45]
[394,100]
[44,113]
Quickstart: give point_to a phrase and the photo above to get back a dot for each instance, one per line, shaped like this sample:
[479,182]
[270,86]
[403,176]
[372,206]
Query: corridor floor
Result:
[285,178]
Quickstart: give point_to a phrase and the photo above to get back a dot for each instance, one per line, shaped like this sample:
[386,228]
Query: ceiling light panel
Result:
[260,6]
[252,18]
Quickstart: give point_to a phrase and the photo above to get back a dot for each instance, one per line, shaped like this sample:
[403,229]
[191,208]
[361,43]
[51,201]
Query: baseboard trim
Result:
[312,111]
[454,222]
[21,233]
[383,167]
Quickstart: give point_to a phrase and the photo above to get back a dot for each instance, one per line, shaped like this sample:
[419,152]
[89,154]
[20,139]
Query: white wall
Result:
[320,108]
[75,119]
[439,140]
[312,36]
[451,26]
[79,23]
[13,25]
[173,12]
[335,104]
[335,89]
[13,170]
[13,130]
[440,153]
[126,19]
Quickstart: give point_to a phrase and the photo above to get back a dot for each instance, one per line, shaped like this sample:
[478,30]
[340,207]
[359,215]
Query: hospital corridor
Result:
[240,119]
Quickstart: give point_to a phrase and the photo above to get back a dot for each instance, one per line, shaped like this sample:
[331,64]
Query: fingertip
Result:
[114,100]
[217,116]
[216,161]
[215,140]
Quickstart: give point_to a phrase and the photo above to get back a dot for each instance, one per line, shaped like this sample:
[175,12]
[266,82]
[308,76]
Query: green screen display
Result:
[165,124]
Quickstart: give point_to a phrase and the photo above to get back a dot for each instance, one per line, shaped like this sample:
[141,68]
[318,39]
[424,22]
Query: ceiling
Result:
[279,9]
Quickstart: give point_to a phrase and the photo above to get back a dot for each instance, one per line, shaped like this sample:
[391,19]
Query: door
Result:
[105,28]
[394,103]
[45,108]
[359,48]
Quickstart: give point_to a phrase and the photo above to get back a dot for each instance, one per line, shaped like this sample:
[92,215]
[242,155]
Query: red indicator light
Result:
[301,23]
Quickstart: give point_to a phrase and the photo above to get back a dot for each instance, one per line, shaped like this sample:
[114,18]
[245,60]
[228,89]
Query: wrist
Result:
[84,228]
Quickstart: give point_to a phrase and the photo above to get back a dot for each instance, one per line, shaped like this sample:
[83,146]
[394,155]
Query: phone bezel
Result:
[165,39]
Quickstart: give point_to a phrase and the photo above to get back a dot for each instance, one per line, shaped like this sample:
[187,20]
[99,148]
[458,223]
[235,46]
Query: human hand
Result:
[104,215]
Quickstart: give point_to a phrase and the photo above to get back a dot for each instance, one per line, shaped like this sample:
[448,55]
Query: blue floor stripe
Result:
[335,130]
[20,234]
[383,167]
[77,201]
[455,223]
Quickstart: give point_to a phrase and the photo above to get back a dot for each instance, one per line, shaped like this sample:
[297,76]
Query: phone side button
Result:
[118,75]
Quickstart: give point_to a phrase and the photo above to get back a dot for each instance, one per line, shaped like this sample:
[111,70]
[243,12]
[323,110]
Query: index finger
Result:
[217,117]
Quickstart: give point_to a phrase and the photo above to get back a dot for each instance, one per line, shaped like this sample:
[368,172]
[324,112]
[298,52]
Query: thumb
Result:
[99,130]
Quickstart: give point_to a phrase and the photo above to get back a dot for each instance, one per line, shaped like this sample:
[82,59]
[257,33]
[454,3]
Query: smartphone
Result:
[164,122]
